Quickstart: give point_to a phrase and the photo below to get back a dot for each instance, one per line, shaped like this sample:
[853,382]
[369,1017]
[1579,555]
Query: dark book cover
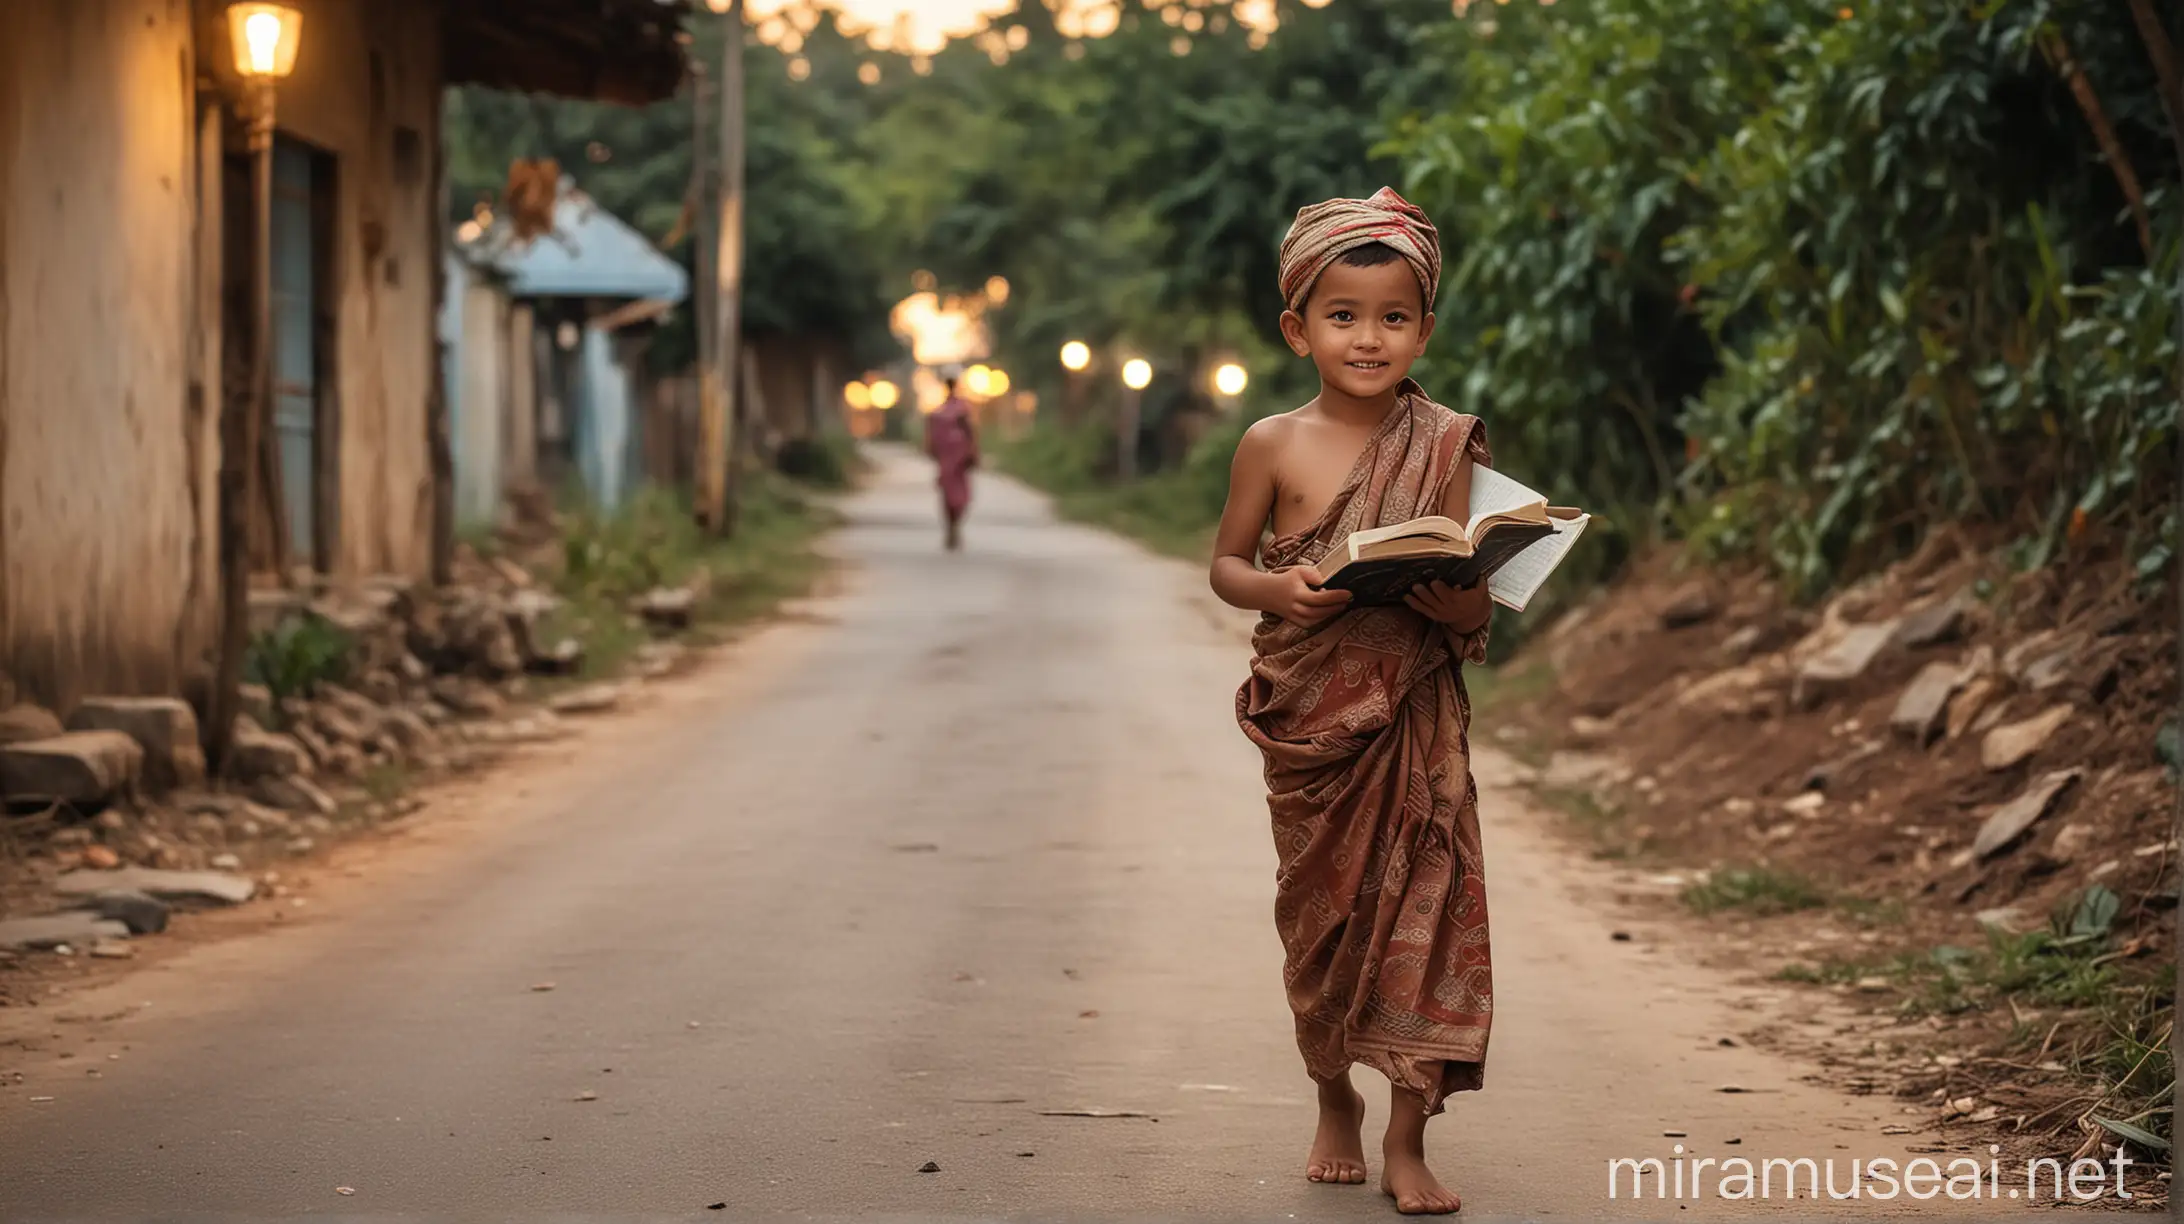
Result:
[1386,581]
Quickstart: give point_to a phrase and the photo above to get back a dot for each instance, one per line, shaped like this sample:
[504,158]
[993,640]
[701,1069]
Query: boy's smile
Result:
[1362,327]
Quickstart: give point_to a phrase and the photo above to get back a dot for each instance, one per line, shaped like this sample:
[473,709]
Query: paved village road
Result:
[968,842]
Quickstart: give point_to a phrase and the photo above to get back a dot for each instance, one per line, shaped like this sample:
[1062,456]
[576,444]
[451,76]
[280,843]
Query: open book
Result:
[1513,541]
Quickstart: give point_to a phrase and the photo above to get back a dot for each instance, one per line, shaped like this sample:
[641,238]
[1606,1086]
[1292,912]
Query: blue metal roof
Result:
[591,253]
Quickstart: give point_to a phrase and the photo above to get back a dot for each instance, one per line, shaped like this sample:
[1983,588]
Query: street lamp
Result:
[885,395]
[1230,380]
[264,38]
[1076,355]
[1137,374]
[858,396]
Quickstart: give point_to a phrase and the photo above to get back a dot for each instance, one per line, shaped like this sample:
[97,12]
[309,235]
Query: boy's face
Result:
[1363,327]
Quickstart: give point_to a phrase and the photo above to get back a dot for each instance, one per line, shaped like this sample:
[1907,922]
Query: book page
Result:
[1521,576]
[1494,493]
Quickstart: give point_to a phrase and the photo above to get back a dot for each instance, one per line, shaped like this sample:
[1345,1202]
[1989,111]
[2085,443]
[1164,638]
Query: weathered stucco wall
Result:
[367,90]
[104,582]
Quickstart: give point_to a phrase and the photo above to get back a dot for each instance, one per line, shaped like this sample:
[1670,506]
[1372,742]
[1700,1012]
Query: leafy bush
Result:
[296,655]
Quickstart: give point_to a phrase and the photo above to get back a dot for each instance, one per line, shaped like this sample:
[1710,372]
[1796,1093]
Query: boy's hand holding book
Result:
[1299,599]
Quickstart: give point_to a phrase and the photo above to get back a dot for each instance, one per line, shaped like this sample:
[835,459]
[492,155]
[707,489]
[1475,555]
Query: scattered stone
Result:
[301,846]
[101,858]
[141,912]
[1873,985]
[28,722]
[165,885]
[1840,663]
[226,862]
[59,930]
[85,768]
[1734,691]
[258,753]
[1738,805]
[591,699]
[164,727]
[1924,706]
[657,659]
[468,697]
[2010,821]
[257,702]
[1935,623]
[2002,917]
[296,794]
[2006,747]
[1739,646]
[113,949]
[1692,604]
[587,1095]
[1806,803]
[929,1167]
[667,607]
[1585,729]
[1968,704]
[1578,771]
[2053,668]
[2020,655]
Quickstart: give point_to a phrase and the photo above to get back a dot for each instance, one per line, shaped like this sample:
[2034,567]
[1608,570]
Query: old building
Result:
[126,219]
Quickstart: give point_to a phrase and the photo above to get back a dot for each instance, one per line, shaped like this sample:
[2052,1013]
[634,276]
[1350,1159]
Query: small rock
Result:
[257,754]
[226,862]
[591,699]
[28,722]
[929,1167]
[1589,730]
[100,858]
[86,768]
[1921,710]
[164,727]
[587,1095]
[667,607]
[2012,819]
[1966,706]
[293,794]
[165,885]
[1578,771]
[1805,803]
[1735,691]
[113,949]
[1937,622]
[2008,746]
[1873,985]
[301,846]
[141,912]
[541,987]
[58,930]
[1844,661]
[344,1189]
[1692,604]
[2052,668]
[1737,805]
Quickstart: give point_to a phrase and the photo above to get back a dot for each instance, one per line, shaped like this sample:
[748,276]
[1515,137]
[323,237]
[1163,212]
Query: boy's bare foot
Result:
[1404,1176]
[1338,1150]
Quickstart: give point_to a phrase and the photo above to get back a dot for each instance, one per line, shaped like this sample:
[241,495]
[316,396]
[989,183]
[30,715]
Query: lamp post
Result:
[720,386]
[1137,374]
[1076,355]
[265,38]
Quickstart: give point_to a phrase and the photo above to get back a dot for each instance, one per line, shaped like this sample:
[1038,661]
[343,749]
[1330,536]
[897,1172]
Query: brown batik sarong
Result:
[1381,897]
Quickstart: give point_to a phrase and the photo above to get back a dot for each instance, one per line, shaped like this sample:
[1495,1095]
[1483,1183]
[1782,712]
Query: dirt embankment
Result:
[1946,794]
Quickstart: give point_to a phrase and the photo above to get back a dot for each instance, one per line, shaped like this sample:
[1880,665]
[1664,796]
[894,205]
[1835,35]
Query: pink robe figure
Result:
[952,440]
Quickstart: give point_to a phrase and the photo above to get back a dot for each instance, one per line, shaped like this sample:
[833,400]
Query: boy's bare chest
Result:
[1311,471]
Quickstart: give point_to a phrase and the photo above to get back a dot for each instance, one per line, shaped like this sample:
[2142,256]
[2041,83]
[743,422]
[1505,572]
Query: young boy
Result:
[1361,713]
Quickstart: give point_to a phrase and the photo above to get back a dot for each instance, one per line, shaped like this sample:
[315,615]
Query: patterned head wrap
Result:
[1323,232]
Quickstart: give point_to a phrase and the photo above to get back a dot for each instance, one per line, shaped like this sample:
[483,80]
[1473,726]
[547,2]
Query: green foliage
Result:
[1756,890]
[828,461]
[296,655]
[1809,277]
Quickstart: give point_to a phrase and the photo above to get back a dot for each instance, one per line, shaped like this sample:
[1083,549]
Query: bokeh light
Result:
[1137,373]
[1076,355]
[1231,379]
[885,395]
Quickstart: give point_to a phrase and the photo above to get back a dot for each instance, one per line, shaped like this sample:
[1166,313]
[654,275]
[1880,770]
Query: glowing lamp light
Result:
[1231,379]
[265,38]
[997,289]
[997,383]
[978,380]
[1076,355]
[857,396]
[885,395]
[1137,373]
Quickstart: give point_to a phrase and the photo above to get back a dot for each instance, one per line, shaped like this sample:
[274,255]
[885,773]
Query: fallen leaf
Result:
[1089,1014]
[1675,1134]
[587,1095]
[1896,1130]
[1733,1142]
[1732,1088]
[1620,937]
[39,1100]
[1027,1153]
[1091,1113]
[344,1189]
[542,987]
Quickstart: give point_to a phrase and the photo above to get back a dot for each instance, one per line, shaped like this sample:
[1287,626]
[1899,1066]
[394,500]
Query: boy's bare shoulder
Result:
[1268,435]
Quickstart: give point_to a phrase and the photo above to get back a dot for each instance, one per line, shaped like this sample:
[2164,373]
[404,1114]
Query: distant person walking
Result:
[951,438]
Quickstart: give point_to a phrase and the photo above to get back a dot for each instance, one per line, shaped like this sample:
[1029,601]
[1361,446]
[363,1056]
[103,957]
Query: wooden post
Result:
[439,448]
[728,267]
[707,493]
[1126,434]
[241,425]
